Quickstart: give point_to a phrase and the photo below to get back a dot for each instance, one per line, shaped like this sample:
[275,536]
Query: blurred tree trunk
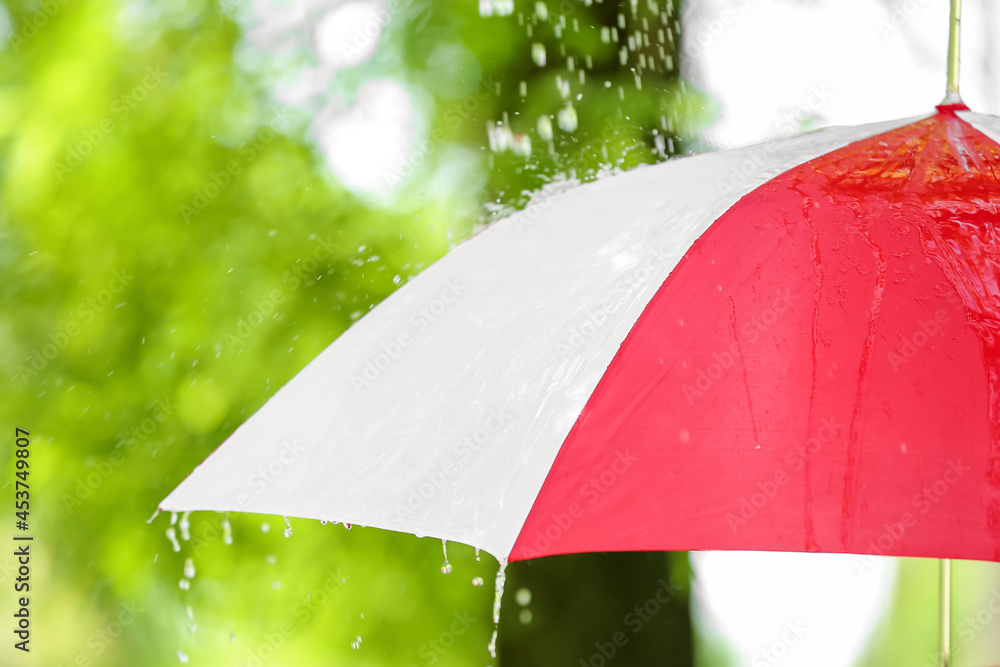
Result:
[591,610]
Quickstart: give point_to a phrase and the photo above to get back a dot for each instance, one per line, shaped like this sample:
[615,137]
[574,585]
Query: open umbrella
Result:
[788,347]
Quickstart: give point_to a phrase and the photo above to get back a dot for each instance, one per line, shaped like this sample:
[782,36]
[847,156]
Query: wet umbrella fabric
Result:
[787,347]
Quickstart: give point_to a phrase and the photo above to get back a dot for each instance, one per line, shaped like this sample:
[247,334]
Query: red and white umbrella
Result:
[788,347]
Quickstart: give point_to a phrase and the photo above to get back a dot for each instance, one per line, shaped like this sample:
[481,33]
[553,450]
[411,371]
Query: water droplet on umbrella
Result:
[347,526]
[288,527]
[477,554]
[185,526]
[446,566]
[497,599]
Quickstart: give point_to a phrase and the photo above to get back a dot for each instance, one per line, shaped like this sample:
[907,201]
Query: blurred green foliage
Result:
[173,249]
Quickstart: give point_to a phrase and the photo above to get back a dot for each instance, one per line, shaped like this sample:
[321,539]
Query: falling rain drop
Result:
[172,536]
[521,145]
[184,584]
[181,656]
[477,554]
[189,568]
[185,526]
[562,85]
[545,128]
[477,581]
[227,531]
[446,566]
[288,527]
[542,11]
[356,644]
[497,599]
[538,54]
[567,118]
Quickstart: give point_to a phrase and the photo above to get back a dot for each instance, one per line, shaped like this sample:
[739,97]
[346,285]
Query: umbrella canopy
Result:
[786,347]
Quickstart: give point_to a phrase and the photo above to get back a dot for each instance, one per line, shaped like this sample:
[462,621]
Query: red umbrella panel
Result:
[819,373]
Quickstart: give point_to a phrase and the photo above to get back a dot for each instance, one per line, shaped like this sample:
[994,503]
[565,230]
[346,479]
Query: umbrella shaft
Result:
[945,612]
[954,45]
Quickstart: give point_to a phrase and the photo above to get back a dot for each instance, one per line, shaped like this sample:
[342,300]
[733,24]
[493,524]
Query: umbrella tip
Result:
[949,107]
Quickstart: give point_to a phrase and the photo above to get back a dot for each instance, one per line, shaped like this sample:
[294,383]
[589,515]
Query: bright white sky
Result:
[870,60]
